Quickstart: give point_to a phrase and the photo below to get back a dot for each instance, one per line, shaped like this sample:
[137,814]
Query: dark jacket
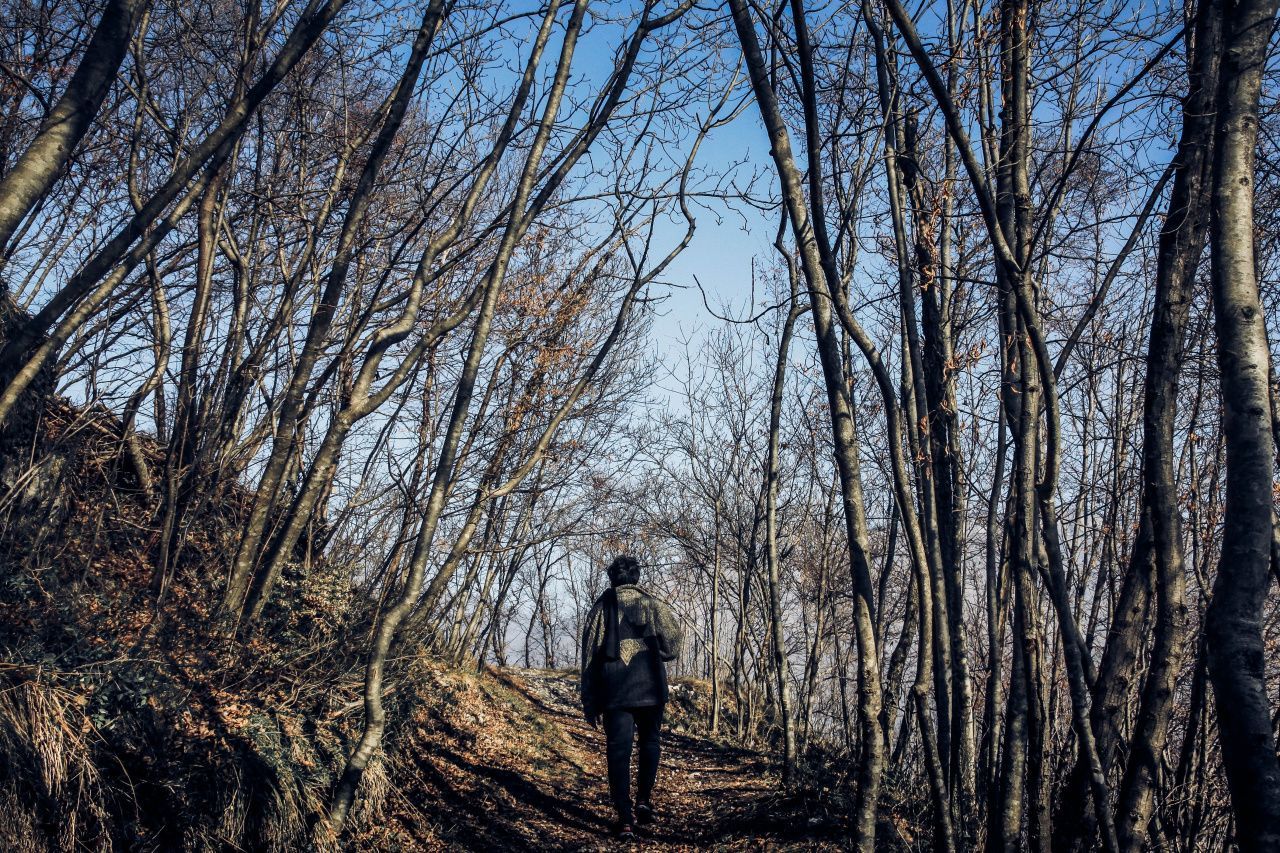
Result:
[628,638]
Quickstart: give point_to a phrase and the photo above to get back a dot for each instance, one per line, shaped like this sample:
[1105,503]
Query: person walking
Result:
[627,640]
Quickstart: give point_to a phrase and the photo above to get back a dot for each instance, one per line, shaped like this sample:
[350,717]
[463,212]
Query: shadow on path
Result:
[709,796]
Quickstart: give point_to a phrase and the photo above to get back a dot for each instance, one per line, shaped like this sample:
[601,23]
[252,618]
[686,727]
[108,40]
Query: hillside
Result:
[499,760]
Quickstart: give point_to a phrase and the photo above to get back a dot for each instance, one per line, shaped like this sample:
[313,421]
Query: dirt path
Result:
[709,796]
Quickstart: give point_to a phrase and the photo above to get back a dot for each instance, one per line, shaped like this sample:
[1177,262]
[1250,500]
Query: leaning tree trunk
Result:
[70,118]
[388,626]
[1181,245]
[23,355]
[292,410]
[822,288]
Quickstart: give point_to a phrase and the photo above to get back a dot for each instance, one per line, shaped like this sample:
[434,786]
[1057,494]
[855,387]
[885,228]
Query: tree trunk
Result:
[292,410]
[821,292]
[375,715]
[69,120]
[1181,245]
[714,650]
[21,358]
[1233,626]
[782,690]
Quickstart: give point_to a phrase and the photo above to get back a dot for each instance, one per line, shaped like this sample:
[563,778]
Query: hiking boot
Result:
[644,814]
[624,831]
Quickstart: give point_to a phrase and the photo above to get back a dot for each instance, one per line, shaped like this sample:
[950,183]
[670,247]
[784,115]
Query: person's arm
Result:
[592,637]
[669,631]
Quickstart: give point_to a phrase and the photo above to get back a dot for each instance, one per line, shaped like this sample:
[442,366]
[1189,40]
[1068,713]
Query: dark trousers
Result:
[620,728]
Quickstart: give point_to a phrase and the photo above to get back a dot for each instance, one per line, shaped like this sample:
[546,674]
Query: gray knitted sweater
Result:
[634,673]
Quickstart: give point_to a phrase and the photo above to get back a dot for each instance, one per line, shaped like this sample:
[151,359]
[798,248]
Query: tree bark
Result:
[714,650]
[1233,626]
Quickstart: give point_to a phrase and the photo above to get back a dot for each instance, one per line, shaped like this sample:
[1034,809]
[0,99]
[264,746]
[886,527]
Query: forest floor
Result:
[710,795]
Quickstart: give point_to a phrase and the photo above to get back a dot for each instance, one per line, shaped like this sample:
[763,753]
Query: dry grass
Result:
[48,743]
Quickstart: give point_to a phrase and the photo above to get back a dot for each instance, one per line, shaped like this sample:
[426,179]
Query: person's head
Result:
[623,570]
